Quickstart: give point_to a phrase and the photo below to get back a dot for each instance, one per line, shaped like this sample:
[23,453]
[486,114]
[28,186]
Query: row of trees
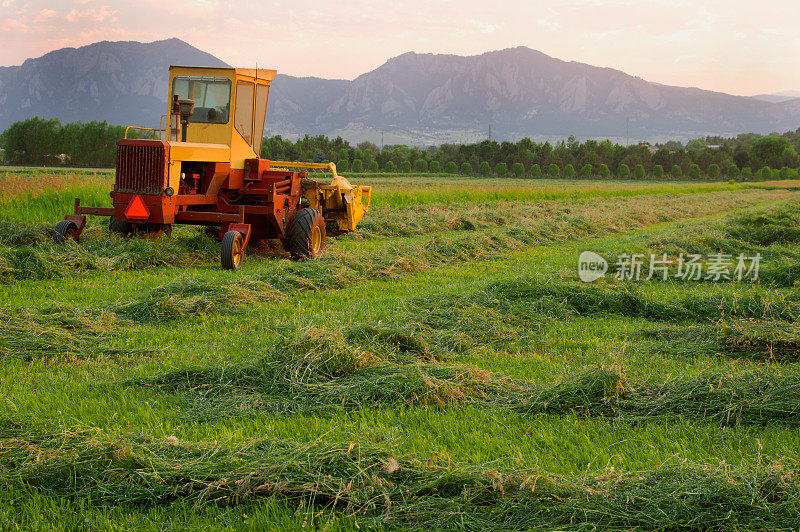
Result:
[40,141]
[712,156]
[37,141]
[587,170]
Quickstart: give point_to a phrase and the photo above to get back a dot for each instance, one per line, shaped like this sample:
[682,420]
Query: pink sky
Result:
[735,46]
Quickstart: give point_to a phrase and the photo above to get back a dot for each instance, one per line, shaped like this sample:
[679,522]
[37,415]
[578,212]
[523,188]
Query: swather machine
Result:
[207,171]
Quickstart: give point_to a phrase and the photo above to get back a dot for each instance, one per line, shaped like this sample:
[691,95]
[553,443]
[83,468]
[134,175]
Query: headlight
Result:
[168,192]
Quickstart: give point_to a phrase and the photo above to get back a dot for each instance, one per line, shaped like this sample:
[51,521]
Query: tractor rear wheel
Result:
[120,227]
[65,229]
[232,250]
[307,235]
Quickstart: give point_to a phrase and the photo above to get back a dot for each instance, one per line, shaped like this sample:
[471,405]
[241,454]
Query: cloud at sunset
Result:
[720,45]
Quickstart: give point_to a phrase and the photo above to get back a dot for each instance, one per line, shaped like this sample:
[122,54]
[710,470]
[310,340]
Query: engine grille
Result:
[142,168]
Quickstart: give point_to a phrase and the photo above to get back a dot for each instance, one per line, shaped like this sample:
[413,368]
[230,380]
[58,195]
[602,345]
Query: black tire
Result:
[65,229]
[232,253]
[307,235]
[120,227]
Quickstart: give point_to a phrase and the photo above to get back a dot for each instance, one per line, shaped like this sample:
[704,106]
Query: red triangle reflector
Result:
[137,209]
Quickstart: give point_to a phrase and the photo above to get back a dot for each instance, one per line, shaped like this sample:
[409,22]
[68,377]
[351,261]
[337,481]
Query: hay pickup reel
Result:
[212,175]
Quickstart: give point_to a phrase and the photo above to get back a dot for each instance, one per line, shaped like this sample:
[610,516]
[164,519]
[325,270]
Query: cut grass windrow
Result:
[341,269]
[747,338]
[552,216]
[509,315]
[191,296]
[195,295]
[58,331]
[626,299]
[376,485]
[505,314]
[761,339]
[28,253]
[319,371]
[518,299]
[772,233]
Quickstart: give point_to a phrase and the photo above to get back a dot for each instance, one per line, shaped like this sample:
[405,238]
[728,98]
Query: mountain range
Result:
[413,98]
[121,82]
[778,96]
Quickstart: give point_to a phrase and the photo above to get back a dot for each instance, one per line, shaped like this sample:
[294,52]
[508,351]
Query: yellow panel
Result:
[263,74]
[209,133]
[240,150]
[174,175]
[193,151]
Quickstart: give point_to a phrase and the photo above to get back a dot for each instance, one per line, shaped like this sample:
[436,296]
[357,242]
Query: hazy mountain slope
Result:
[524,92]
[778,96]
[296,104]
[122,82]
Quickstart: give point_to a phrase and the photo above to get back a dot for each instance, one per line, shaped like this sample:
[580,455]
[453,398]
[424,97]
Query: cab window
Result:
[262,91]
[212,97]
[243,118]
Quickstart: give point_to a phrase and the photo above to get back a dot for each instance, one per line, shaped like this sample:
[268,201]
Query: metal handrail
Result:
[298,164]
[338,181]
[127,129]
[162,128]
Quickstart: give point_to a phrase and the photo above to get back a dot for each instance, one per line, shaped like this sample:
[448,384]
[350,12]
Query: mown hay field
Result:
[441,368]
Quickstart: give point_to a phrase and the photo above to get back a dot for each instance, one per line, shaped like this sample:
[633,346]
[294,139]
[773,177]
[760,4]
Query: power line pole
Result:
[490,132]
[381,141]
[627,132]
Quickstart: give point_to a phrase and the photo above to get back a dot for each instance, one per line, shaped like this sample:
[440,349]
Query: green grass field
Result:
[441,368]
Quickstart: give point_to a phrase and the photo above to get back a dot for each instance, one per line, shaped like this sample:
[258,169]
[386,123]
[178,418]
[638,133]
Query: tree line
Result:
[38,141]
[748,156]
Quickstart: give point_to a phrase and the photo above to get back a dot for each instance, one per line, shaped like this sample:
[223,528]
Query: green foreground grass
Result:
[442,369]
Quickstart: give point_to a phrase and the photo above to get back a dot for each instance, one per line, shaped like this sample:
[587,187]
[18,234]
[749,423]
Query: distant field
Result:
[443,367]
[35,195]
